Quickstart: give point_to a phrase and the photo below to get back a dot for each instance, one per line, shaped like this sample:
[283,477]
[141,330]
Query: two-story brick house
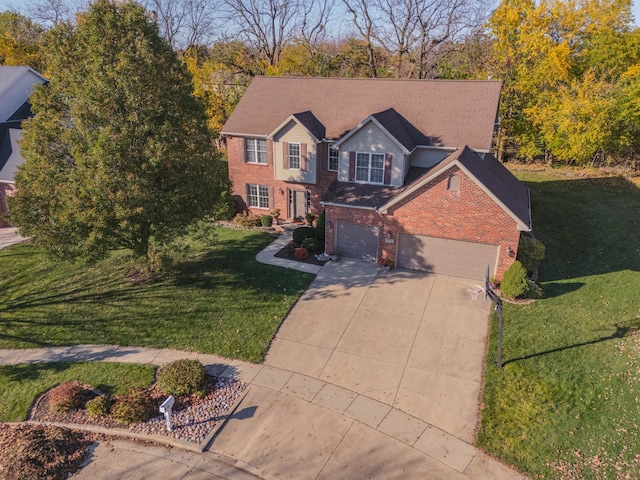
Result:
[402,168]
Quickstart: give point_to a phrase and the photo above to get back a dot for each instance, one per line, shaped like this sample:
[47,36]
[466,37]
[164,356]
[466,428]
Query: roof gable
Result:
[489,174]
[448,113]
[308,121]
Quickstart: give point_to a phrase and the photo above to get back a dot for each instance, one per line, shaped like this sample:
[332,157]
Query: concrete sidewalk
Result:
[9,236]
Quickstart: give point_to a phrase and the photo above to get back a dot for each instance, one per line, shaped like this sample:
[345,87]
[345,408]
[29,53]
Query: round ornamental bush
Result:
[514,282]
[301,253]
[310,244]
[300,233]
[135,406]
[99,405]
[182,377]
[266,220]
[66,397]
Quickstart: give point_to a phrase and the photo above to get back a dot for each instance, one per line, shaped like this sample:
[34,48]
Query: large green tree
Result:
[119,154]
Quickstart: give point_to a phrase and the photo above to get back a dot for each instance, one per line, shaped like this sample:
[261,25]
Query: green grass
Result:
[221,300]
[567,402]
[21,384]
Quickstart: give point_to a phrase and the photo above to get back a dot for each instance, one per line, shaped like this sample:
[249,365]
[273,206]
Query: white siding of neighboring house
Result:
[293,132]
[371,139]
[16,93]
[428,157]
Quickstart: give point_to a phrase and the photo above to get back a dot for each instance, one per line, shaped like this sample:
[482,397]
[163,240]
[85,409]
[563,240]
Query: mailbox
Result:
[166,409]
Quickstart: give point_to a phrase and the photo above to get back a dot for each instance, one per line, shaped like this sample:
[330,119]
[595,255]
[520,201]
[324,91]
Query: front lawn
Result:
[21,384]
[220,301]
[566,404]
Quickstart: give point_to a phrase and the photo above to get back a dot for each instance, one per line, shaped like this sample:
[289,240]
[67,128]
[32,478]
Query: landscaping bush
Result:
[66,397]
[99,405]
[301,253]
[300,233]
[182,377]
[266,220]
[530,253]
[310,244]
[515,281]
[320,226]
[135,406]
[224,208]
[247,220]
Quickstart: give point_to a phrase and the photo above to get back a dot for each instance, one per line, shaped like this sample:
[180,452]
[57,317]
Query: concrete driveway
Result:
[412,341]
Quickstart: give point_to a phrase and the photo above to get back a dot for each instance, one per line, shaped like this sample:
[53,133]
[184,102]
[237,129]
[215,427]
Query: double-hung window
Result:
[256,150]
[334,159]
[370,167]
[294,156]
[258,196]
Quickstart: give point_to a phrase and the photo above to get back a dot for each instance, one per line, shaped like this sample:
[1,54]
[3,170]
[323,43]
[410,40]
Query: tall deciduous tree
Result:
[20,41]
[119,153]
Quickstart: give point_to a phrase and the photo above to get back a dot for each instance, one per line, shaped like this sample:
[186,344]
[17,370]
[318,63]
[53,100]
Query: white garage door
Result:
[447,257]
[358,241]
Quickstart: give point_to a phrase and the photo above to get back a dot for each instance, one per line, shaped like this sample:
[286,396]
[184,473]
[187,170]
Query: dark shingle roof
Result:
[448,112]
[398,126]
[10,156]
[311,123]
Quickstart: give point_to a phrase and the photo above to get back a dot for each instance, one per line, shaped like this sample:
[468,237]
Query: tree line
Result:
[570,68]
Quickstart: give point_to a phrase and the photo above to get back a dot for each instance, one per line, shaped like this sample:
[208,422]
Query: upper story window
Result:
[294,156]
[256,150]
[334,159]
[370,167]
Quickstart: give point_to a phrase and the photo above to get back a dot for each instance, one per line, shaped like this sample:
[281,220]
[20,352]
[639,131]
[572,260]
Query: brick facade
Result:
[242,174]
[468,215]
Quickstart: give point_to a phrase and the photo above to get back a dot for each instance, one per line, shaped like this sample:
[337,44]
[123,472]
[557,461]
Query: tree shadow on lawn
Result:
[590,226]
[622,331]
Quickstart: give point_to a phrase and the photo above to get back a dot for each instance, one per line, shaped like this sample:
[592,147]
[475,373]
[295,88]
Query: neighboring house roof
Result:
[487,172]
[442,112]
[10,156]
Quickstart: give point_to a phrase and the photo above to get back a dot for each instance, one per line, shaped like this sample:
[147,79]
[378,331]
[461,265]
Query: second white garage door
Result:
[447,257]
[358,241]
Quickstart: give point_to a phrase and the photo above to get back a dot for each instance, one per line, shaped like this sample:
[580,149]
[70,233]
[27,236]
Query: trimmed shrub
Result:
[266,220]
[135,406]
[99,405]
[182,377]
[514,282]
[247,220]
[300,233]
[530,253]
[310,244]
[224,208]
[66,397]
[320,226]
[301,253]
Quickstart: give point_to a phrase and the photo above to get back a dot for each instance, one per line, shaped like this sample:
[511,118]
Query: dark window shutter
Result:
[387,168]
[241,148]
[352,166]
[270,152]
[303,156]
[245,196]
[285,155]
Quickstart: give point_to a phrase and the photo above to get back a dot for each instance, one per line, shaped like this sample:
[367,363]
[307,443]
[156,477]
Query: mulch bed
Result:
[287,253]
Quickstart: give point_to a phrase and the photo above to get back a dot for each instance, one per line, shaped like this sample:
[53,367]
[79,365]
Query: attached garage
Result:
[357,241]
[444,256]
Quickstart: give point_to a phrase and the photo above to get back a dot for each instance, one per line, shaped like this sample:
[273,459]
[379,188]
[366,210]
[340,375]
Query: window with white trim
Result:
[370,167]
[256,150]
[294,156]
[258,196]
[334,159]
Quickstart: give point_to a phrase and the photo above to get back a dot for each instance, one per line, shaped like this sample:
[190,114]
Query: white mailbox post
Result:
[166,409]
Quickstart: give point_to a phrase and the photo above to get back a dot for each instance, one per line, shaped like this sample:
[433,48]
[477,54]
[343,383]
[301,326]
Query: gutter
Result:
[331,204]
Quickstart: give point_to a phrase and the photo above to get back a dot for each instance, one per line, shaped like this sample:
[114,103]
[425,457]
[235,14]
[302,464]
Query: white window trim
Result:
[298,156]
[369,169]
[260,195]
[253,155]
[337,159]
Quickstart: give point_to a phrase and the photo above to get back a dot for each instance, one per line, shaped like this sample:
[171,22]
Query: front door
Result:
[298,204]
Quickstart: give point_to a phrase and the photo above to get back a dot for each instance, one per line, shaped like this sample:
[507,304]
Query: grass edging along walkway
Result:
[21,384]
[220,300]
[567,402]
